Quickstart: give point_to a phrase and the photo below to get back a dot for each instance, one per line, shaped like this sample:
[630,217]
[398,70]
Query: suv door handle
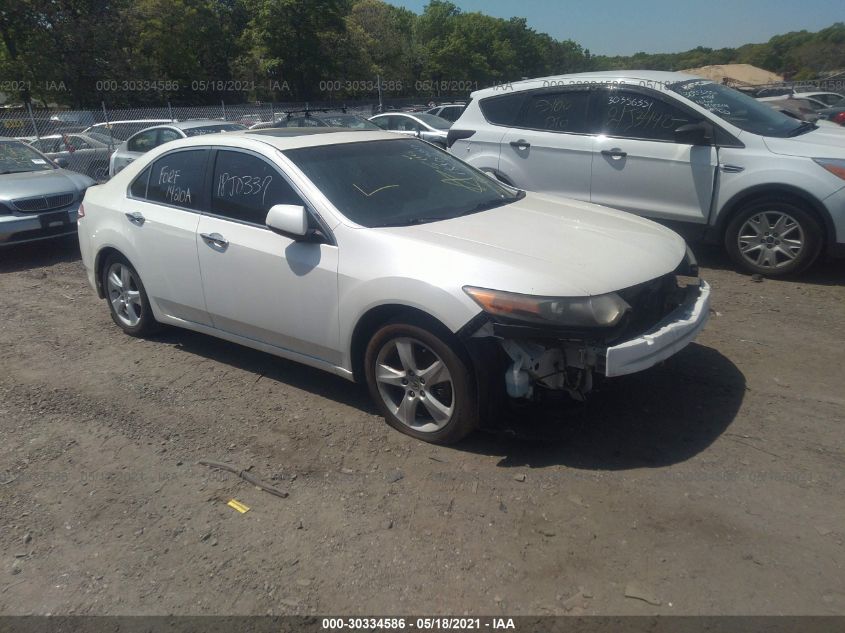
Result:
[614,153]
[136,218]
[215,240]
[520,144]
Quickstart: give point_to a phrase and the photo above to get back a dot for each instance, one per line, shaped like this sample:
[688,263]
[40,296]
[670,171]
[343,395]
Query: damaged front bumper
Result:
[542,359]
[668,337]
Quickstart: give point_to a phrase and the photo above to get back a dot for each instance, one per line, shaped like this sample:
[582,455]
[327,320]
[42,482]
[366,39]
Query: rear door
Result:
[161,214]
[549,148]
[638,165]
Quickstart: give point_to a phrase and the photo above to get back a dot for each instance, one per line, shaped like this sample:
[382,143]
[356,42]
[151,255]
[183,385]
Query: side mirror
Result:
[61,162]
[699,133]
[290,220]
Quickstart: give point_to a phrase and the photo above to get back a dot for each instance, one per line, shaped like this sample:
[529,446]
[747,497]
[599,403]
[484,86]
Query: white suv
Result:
[706,159]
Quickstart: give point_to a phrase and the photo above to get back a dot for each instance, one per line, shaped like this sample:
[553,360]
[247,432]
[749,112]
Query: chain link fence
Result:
[83,140]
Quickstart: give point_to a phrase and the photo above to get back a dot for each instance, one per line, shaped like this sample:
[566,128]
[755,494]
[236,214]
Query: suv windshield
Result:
[15,157]
[213,129]
[398,182]
[739,109]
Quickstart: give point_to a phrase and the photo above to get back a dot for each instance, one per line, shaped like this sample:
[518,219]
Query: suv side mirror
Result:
[291,220]
[700,133]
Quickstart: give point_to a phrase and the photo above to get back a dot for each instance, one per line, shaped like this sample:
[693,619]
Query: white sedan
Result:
[383,259]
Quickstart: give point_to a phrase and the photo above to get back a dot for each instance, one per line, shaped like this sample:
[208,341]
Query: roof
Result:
[288,138]
[603,77]
[186,125]
[736,74]
[150,121]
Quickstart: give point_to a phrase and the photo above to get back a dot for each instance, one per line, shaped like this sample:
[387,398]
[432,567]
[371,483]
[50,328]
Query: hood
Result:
[825,142]
[549,246]
[42,183]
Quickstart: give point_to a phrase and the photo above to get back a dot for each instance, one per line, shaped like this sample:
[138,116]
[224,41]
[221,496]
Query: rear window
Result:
[177,179]
[502,110]
[563,111]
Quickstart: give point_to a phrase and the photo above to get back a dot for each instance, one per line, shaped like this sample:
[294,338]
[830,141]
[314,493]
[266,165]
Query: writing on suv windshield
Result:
[398,182]
[739,109]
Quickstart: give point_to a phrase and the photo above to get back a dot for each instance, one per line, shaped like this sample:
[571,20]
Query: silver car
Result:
[420,124]
[142,142]
[38,200]
[84,153]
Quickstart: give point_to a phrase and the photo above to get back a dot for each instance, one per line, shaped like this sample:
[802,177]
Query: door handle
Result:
[215,240]
[520,144]
[614,153]
[136,218]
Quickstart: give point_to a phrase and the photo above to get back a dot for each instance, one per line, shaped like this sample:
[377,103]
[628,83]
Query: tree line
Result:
[140,52]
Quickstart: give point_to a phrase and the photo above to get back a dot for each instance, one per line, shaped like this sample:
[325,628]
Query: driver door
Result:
[638,165]
[258,284]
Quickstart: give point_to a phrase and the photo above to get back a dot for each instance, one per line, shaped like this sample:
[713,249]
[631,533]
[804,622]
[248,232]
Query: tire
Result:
[774,238]
[130,310]
[441,412]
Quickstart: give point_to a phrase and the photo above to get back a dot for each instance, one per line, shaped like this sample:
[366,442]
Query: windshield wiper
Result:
[805,127]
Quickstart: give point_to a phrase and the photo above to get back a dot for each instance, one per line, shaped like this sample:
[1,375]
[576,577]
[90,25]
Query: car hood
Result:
[825,142]
[543,245]
[41,183]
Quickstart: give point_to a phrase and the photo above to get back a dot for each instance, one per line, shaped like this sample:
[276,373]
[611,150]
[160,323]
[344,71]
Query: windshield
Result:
[438,123]
[398,182]
[15,157]
[213,129]
[348,120]
[738,109]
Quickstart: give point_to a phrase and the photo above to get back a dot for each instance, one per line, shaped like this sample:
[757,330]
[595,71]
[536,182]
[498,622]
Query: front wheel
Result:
[422,386]
[774,238]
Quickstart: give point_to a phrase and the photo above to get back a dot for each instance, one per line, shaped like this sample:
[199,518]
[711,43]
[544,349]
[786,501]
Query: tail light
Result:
[80,213]
[839,118]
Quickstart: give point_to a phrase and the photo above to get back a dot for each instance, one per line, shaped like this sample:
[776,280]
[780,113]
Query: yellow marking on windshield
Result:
[374,192]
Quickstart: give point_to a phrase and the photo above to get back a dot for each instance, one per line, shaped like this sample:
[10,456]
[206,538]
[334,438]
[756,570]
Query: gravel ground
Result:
[711,484]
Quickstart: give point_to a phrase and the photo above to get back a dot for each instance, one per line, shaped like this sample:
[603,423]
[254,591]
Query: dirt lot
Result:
[712,484]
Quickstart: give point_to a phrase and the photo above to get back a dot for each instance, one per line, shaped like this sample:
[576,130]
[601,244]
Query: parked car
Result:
[835,113]
[141,142]
[122,130]
[318,119]
[420,124]
[83,153]
[823,99]
[71,120]
[38,200]
[802,109]
[386,260]
[448,111]
[707,159]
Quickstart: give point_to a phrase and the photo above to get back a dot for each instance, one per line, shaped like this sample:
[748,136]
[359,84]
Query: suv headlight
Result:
[599,311]
[835,166]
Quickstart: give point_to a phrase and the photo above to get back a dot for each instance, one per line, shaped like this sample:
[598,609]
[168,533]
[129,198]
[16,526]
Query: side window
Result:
[47,145]
[383,122]
[405,124]
[637,115]
[502,110]
[73,143]
[138,189]
[562,111]
[165,135]
[178,178]
[246,186]
[143,141]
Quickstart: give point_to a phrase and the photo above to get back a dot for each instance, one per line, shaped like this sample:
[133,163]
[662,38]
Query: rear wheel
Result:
[127,298]
[421,384]
[774,238]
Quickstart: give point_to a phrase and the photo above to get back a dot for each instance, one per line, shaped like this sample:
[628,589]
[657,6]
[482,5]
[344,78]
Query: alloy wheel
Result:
[771,239]
[124,294]
[415,384]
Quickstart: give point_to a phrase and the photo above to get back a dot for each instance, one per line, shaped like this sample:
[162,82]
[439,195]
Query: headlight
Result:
[835,166]
[600,311]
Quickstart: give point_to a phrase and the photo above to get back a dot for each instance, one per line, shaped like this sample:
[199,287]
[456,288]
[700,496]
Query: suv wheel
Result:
[422,386]
[127,298]
[774,238]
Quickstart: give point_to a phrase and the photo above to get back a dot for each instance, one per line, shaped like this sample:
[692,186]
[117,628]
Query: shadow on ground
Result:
[16,258]
[659,417]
